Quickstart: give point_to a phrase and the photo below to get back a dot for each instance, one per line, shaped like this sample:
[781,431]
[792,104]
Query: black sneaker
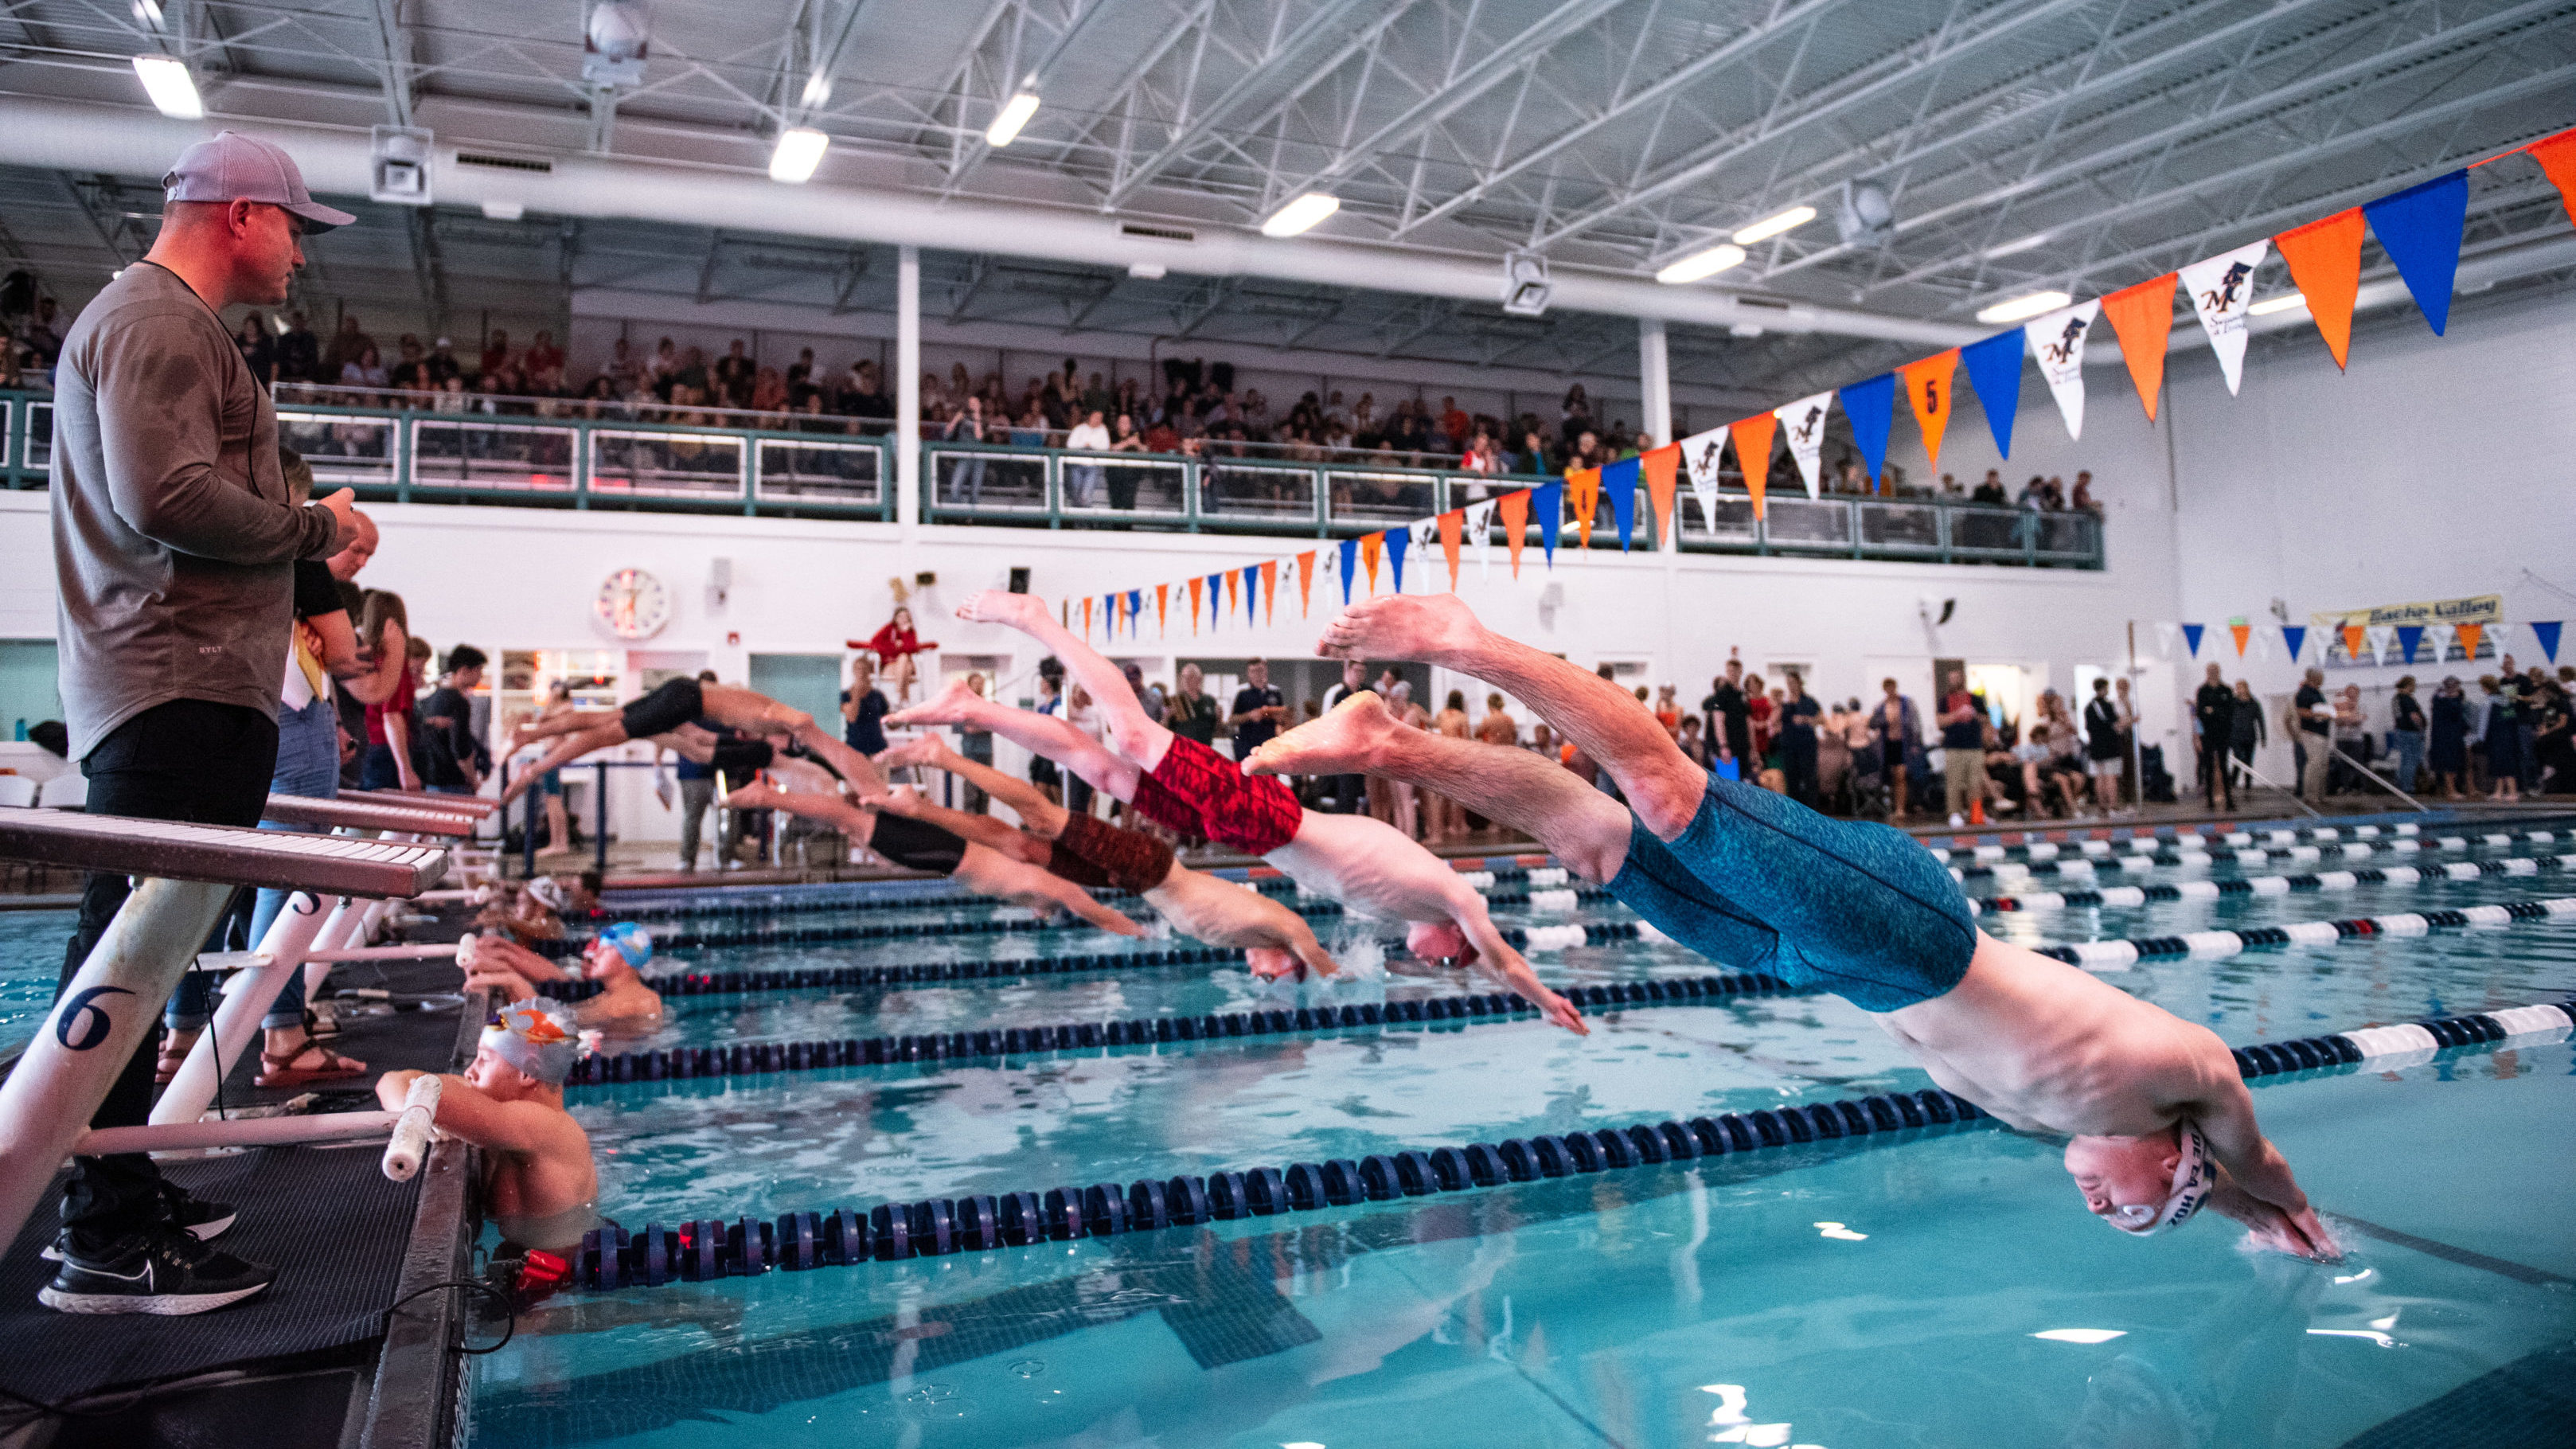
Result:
[165,1272]
[200,1219]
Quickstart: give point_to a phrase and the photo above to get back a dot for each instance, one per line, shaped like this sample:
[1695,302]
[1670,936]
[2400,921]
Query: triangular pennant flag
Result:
[1583,486]
[2165,634]
[1426,532]
[2262,642]
[1270,592]
[2057,341]
[2420,230]
[1480,522]
[1196,583]
[1306,584]
[2468,635]
[1232,590]
[1515,510]
[2325,265]
[2242,633]
[2191,636]
[2437,637]
[1994,370]
[1452,524]
[1871,406]
[2142,317]
[1109,616]
[1398,541]
[2220,289]
[2378,635]
[1086,616]
[2557,157]
[1753,455]
[1251,592]
[1658,466]
[1371,545]
[1135,610]
[1927,389]
[2547,634]
[2409,636]
[1702,455]
[1548,502]
[1349,556]
[1803,423]
[1619,480]
[1162,608]
[2352,637]
[2294,637]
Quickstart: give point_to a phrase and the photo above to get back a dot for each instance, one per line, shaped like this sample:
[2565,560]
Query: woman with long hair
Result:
[895,645]
[388,689]
[2447,749]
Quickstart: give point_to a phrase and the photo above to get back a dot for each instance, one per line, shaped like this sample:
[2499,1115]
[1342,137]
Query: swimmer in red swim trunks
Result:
[1367,865]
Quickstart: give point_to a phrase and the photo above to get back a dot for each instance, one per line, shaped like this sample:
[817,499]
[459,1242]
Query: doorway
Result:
[810,682]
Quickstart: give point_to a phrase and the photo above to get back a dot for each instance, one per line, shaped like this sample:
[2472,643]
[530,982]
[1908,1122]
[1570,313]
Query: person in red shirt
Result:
[894,646]
[543,355]
[1454,422]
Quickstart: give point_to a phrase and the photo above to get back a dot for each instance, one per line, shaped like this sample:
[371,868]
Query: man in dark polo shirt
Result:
[1257,710]
[174,544]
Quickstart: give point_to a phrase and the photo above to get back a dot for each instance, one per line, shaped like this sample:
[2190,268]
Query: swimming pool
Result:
[1935,1287]
[31,962]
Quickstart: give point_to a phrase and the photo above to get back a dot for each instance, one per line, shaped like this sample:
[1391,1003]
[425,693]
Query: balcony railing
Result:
[570,461]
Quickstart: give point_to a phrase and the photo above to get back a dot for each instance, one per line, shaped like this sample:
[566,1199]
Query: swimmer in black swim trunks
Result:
[678,703]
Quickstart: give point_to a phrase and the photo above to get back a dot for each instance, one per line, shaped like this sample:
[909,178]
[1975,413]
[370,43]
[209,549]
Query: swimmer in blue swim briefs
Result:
[2160,1121]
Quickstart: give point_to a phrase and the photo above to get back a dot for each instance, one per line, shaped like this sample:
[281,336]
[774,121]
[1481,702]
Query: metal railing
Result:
[568,460]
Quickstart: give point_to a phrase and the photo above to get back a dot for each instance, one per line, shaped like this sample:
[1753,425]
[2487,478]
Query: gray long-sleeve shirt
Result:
[174,533]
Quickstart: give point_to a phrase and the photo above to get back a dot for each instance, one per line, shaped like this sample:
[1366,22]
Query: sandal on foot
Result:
[174,1055]
[281,1071]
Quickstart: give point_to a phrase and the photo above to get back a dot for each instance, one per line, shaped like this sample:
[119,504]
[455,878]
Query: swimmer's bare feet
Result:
[956,703]
[1432,628]
[997,606]
[758,795]
[928,750]
[1344,741]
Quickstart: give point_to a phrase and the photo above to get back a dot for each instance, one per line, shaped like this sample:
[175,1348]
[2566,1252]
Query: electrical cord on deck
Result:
[508,1312]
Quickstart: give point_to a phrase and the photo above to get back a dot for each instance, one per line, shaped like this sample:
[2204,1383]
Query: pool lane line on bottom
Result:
[705,1249]
[765,1058]
[2271,885]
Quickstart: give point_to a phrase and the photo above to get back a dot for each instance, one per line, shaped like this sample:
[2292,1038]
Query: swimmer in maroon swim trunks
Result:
[1367,865]
[1275,940]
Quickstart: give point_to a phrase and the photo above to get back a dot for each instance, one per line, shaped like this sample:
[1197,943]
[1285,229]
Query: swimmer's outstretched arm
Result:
[1494,954]
[858,769]
[851,819]
[529,1128]
[989,872]
[2255,1186]
[597,737]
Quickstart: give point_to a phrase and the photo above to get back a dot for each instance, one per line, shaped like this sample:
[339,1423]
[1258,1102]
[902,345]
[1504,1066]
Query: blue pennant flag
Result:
[1548,503]
[2548,635]
[2294,635]
[1135,611]
[1619,480]
[1871,406]
[1251,592]
[1350,566]
[2191,636]
[1994,370]
[2420,230]
[2408,636]
[1397,541]
[1216,600]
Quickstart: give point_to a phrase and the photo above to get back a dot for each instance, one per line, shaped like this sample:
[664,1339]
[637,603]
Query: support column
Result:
[1655,378]
[907,386]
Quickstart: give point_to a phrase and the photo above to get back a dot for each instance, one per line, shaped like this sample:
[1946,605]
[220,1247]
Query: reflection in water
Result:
[2239,1368]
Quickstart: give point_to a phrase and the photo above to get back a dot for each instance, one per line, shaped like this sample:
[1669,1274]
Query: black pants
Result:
[1350,794]
[1798,763]
[2214,777]
[185,760]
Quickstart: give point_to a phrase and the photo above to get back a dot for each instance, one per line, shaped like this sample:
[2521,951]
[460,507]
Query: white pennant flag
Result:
[1803,424]
[2261,642]
[2221,289]
[2379,637]
[1426,548]
[2165,633]
[1480,526]
[2440,637]
[1700,453]
[2057,340]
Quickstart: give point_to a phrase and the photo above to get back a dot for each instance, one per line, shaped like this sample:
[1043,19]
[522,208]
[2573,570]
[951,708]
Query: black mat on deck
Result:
[422,1040]
[327,1217]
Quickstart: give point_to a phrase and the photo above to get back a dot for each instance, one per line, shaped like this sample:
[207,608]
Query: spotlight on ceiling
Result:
[2282,303]
[1771,226]
[1526,287]
[1302,214]
[173,91]
[1146,271]
[1867,217]
[615,41]
[799,151]
[2023,307]
[1707,262]
[1015,114]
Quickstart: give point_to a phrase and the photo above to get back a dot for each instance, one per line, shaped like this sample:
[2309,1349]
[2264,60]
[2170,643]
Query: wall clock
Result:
[633,604]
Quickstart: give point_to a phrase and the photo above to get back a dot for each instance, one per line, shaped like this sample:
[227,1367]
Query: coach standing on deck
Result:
[174,540]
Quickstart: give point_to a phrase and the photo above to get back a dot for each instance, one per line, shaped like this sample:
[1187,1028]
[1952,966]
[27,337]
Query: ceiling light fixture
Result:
[799,151]
[1771,226]
[2282,303]
[172,89]
[2030,243]
[504,210]
[1302,214]
[1702,264]
[1015,114]
[2024,307]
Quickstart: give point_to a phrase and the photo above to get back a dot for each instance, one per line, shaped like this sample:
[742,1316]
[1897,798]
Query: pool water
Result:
[1888,1291]
[31,962]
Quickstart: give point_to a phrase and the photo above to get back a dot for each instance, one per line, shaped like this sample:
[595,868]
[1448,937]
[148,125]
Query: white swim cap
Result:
[536,1037]
[2192,1180]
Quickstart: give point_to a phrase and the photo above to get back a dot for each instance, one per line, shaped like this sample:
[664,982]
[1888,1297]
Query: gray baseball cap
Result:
[235,167]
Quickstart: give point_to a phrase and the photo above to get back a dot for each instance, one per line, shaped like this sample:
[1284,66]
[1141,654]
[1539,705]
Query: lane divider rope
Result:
[2096,843]
[2271,885]
[2212,945]
[2089,864]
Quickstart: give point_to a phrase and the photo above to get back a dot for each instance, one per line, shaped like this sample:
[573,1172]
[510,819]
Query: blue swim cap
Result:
[632,942]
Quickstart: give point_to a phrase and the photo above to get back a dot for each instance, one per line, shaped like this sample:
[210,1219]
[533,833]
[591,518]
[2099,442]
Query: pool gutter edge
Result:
[418,1395]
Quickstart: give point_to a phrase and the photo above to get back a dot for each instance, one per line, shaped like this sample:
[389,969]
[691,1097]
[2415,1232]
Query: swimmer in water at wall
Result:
[624,1005]
[540,1184]
[2160,1122]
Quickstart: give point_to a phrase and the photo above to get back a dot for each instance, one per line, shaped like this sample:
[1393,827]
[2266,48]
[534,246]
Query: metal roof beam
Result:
[393,42]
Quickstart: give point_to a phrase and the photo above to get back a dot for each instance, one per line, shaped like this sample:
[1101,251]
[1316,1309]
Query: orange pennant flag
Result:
[1453,527]
[1753,453]
[1163,608]
[2325,265]
[1270,591]
[2353,637]
[2557,157]
[1927,387]
[1660,465]
[1371,544]
[2243,632]
[1233,584]
[2469,635]
[1514,509]
[1195,582]
[1583,489]
[1306,584]
[1086,616]
[2143,317]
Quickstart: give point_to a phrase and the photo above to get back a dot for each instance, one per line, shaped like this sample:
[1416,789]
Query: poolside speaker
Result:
[1019,581]
[1867,217]
[400,173]
[1525,284]
[719,580]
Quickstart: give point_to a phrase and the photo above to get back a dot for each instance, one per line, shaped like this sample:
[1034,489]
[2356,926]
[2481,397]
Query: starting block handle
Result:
[411,1131]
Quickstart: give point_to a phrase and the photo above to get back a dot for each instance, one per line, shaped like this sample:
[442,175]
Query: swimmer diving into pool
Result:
[1369,866]
[540,1184]
[2160,1121]
[666,711]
